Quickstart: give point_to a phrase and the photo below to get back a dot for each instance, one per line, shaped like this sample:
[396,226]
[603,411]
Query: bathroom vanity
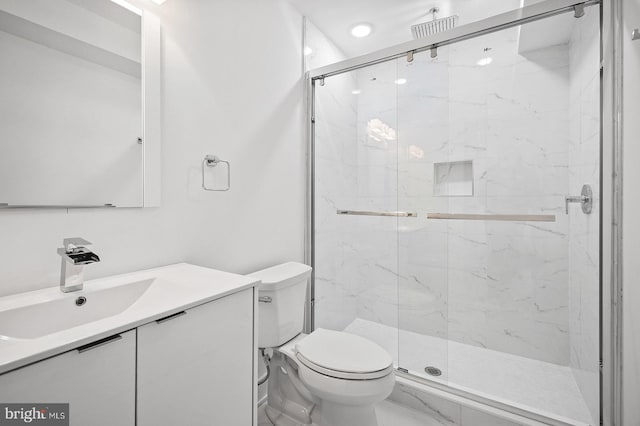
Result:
[165,346]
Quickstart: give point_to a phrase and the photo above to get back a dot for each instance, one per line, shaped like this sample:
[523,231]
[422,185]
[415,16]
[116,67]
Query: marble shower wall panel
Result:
[423,140]
[499,285]
[376,269]
[356,169]
[506,289]
[584,231]
[336,298]
[423,279]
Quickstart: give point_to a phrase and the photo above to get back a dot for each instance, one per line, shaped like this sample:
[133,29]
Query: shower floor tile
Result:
[530,384]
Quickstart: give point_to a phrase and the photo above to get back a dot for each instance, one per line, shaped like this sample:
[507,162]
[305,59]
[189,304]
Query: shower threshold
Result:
[535,386]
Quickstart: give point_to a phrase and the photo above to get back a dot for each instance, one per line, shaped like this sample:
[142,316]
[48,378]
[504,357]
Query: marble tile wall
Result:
[336,298]
[376,161]
[507,281]
[584,291]
[498,285]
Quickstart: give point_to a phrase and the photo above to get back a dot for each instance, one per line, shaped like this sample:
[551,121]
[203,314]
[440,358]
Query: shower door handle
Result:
[585,199]
[573,199]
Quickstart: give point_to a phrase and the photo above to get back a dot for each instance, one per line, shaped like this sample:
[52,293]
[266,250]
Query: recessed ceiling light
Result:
[401,81]
[158,1]
[307,51]
[356,92]
[485,61]
[361,30]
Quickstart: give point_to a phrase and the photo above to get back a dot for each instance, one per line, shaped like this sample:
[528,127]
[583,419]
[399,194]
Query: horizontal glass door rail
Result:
[497,217]
[372,213]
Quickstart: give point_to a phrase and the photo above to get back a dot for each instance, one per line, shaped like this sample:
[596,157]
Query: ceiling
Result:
[391,19]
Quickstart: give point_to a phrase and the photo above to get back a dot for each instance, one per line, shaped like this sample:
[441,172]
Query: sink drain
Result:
[433,371]
[81,301]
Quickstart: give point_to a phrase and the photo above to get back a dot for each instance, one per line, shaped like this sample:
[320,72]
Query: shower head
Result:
[434,26]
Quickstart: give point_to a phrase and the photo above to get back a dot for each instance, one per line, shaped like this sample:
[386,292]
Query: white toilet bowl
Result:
[343,376]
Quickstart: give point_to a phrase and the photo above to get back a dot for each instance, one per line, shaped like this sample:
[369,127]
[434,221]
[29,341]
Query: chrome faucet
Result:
[74,257]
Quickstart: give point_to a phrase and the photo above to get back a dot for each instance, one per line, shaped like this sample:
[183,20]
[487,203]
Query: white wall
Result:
[231,86]
[631,207]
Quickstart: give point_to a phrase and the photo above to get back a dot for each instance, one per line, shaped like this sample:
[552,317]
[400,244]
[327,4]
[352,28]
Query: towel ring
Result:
[213,161]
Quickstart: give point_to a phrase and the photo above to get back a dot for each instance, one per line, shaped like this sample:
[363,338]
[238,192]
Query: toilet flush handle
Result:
[265,299]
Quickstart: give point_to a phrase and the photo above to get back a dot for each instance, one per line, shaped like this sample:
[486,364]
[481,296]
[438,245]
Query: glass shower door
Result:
[356,204]
[424,181]
[498,277]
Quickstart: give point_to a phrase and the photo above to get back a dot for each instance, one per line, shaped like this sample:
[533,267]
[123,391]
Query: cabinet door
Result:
[97,380]
[196,368]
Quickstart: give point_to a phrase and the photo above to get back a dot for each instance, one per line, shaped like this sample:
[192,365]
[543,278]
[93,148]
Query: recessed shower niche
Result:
[453,179]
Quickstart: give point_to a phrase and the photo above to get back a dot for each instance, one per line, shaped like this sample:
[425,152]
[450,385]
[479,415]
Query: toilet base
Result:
[280,419]
[286,404]
[290,403]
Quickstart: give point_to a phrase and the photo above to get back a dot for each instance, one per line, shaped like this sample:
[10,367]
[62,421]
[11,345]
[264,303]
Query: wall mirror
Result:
[78,106]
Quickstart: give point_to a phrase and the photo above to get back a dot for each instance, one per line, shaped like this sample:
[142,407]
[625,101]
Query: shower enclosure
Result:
[456,216]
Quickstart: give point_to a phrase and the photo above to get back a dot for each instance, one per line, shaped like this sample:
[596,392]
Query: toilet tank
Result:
[282,296]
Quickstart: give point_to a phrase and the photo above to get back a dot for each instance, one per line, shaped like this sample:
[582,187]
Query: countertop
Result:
[175,288]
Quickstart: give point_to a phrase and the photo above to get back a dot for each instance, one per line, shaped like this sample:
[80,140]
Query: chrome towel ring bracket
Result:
[214,161]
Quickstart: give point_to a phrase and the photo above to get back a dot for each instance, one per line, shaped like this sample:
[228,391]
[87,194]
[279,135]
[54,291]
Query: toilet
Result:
[325,378]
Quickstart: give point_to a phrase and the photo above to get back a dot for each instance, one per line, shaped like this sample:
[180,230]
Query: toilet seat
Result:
[343,355]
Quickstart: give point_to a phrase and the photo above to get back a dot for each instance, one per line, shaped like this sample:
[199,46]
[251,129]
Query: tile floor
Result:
[389,414]
[542,387]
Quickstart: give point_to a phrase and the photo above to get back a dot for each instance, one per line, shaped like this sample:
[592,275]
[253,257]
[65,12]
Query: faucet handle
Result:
[70,243]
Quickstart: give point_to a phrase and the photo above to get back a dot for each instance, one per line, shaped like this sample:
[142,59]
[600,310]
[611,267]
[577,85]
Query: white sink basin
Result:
[62,313]
[39,324]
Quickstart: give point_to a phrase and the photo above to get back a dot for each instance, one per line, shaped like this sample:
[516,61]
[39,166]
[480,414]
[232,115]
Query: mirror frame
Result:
[151,110]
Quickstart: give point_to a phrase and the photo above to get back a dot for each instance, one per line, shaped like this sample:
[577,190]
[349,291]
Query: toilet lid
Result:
[330,352]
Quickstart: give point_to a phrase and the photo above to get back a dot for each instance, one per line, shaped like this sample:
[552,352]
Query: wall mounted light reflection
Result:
[416,152]
[379,131]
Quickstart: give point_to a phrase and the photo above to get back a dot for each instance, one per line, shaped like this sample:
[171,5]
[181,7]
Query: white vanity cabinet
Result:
[97,380]
[195,368]
[149,365]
